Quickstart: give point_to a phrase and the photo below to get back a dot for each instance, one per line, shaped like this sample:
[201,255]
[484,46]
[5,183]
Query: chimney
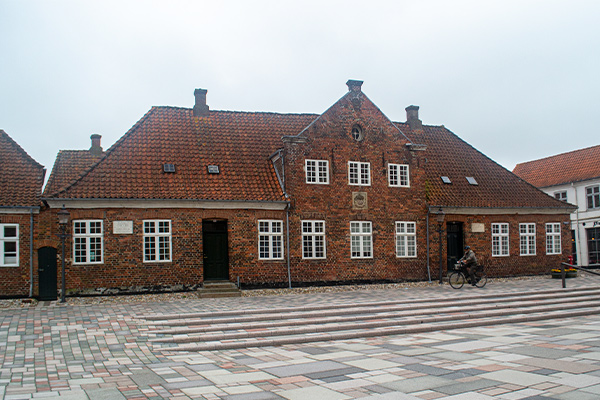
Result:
[354,86]
[412,118]
[96,149]
[200,108]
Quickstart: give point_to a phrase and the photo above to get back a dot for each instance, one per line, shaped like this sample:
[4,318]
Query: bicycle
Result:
[460,275]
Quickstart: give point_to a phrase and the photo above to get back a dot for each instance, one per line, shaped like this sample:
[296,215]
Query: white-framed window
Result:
[527,239]
[398,175]
[361,239]
[593,196]
[562,195]
[88,239]
[9,245]
[406,239]
[359,173]
[553,238]
[157,241]
[500,240]
[270,239]
[313,239]
[317,171]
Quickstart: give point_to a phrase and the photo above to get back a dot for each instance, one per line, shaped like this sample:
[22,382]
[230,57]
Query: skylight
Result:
[213,169]
[446,180]
[169,167]
[471,180]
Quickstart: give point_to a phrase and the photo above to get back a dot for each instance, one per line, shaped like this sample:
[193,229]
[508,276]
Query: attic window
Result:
[472,181]
[357,133]
[446,180]
[213,169]
[169,167]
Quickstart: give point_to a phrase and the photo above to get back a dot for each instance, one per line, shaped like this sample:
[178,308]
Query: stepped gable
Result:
[239,143]
[21,177]
[574,166]
[448,155]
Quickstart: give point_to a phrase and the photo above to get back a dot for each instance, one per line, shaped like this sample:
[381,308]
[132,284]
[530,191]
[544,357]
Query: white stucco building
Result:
[573,177]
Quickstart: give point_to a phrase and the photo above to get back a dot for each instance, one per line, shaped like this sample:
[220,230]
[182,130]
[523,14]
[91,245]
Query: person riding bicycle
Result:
[469,260]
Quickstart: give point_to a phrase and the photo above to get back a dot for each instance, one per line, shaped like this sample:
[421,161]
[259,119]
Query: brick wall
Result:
[330,138]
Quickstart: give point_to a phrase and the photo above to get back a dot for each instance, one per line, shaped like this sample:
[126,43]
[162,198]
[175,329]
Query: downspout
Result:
[579,254]
[287,244]
[30,252]
[428,257]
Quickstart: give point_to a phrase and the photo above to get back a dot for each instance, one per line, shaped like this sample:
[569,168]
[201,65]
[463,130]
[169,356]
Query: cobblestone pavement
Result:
[101,351]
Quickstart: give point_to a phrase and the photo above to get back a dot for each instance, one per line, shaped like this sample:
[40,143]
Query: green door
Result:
[47,273]
[216,250]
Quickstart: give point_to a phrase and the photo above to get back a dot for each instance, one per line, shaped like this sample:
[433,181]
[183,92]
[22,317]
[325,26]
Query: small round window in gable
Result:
[357,133]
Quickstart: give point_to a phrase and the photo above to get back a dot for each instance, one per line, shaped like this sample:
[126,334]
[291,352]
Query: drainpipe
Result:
[30,252]
[577,236]
[428,258]
[287,243]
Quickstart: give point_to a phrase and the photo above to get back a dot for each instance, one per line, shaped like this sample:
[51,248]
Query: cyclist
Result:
[469,260]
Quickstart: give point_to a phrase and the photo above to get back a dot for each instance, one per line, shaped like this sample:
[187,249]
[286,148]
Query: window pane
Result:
[10,231]
[149,249]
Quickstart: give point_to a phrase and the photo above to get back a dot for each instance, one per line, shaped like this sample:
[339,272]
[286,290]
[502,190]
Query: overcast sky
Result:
[518,80]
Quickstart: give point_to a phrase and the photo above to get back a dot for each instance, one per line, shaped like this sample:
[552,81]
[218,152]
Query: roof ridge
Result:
[237,111]
[21,150]
[106,153]
[559,155]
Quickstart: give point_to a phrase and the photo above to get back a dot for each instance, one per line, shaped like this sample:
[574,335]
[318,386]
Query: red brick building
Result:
[21,181]
[190,195]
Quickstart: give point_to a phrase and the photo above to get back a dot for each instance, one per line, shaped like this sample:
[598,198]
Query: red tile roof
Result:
[240,143]
[69,165]
[574,166]
[448,155]
[21,177]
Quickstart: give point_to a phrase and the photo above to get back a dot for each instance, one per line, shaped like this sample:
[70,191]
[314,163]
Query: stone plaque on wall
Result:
[477,228]
[122,227]
[359,201]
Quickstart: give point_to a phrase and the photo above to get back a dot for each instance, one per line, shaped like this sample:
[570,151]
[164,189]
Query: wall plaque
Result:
[359,201]
[477,228]
[122,227]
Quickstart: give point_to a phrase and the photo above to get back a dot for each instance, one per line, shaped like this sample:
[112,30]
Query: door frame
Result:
[451,259]
[216,227]
[47,282]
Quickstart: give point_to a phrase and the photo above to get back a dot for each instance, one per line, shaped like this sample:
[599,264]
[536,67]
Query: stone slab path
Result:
[104,352]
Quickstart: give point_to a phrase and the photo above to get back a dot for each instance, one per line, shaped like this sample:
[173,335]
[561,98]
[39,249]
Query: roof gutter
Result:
[503,210]
[167,203]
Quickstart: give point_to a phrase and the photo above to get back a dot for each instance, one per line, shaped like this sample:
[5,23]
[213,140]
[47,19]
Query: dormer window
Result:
[169,168]
[472,181]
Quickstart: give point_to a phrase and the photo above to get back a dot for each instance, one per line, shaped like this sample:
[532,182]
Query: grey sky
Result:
[518,80]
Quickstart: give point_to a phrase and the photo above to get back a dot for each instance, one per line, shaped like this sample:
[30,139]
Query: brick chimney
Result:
[354,86]
[200,108]
[96,149]
[412,118]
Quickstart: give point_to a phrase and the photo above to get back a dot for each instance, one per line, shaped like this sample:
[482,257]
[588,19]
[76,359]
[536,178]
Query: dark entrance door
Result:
[216,250]
[47,273]
[454,242]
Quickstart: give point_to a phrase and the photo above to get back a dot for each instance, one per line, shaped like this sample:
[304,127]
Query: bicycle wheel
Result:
[456,279]
[480,279]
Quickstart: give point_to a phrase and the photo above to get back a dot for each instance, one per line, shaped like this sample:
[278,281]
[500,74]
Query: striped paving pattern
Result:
[238,329]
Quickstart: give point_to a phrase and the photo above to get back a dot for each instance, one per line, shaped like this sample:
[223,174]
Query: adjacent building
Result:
[21,181]
[189,195]
[574,178]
